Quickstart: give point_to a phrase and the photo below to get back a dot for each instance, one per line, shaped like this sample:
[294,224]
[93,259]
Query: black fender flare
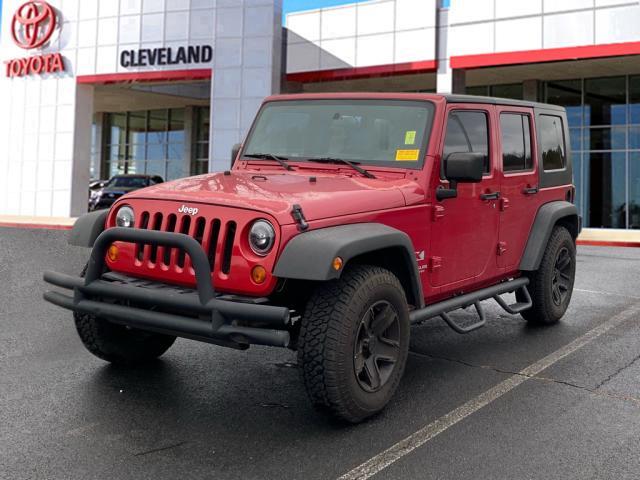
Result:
[547,217]
[87,228]
[309,255]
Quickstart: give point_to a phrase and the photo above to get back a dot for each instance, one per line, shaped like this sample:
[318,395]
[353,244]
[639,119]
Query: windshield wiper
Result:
[271,156]
[353,165]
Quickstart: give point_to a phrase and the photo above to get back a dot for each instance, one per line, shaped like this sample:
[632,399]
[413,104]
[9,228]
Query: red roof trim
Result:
[155,76]
[426,66]
[545,55]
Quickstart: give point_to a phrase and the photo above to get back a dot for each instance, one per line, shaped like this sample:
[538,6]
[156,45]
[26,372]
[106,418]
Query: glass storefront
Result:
[156,142]
[200,157]
[604,125]
[604,121]
[511,90]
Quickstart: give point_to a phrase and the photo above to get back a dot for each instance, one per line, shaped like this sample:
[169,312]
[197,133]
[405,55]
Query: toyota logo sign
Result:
[33,24]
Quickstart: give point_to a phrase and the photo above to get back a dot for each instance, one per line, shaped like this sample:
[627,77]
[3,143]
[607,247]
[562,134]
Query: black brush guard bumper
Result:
[203,315]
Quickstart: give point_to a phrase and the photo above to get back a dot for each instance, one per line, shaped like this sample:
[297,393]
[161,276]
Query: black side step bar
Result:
[469,328]
[442,309]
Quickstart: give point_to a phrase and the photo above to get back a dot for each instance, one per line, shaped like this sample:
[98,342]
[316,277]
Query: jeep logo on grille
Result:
[188,210]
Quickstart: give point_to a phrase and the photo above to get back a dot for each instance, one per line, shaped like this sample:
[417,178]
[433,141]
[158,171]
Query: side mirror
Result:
[234,152]
[465,167]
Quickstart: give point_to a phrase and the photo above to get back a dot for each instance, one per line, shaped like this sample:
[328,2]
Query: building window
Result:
[633,183]
[94,168]
[604,130]
[148,142]
[607,199]
[200,155]
[512,90]
[516,142]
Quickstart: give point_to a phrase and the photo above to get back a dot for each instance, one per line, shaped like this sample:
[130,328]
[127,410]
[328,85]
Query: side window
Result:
[467,131]
[551,134]
[516,142]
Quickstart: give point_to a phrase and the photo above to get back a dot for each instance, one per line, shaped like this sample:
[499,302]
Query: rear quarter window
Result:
[552,142]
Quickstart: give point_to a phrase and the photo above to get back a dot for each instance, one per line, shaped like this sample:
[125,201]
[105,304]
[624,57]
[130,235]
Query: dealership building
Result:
[93,88]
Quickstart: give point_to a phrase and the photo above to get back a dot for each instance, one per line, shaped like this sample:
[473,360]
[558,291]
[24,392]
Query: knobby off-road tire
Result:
[551,285]
[117,343]
[354,341]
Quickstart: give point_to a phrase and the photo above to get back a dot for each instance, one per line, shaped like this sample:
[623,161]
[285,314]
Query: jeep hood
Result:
[276,194]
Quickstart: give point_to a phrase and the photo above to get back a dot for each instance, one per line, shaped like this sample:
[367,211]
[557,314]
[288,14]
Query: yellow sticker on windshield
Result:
[407,155]
[410,137]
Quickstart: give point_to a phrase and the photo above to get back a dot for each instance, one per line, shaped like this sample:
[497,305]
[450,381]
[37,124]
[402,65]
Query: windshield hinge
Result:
[298,217]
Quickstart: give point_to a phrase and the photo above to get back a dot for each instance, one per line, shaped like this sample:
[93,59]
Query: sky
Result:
[299,5]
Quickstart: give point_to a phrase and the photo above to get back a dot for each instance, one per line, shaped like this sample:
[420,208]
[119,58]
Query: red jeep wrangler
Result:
[346,219]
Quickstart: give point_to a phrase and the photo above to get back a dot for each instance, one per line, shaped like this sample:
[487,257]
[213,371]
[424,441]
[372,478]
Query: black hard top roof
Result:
[499,101]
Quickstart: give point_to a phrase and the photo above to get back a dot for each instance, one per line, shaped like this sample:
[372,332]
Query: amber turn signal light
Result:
[258,274]
[337,263]
[112,253]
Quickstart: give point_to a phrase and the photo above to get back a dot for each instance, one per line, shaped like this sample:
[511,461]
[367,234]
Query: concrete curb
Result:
[49,223]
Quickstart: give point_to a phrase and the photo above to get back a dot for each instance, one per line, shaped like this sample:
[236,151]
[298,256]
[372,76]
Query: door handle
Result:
[531,190]
[490,196]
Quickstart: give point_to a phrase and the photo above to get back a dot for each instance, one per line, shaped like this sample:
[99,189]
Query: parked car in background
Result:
[97,185]
[103,197]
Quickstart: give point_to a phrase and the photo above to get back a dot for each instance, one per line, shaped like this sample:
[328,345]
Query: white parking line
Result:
[422,436]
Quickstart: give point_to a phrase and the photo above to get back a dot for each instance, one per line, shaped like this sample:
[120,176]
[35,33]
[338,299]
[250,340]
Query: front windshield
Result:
[129,182]
[374,132]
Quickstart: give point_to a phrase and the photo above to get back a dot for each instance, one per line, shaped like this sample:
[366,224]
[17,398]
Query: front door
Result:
[518,182]
[465,229]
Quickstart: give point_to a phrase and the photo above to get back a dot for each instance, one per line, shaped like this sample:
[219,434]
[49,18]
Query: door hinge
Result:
[504,204]
[502,248]
[435,263]
[438,212]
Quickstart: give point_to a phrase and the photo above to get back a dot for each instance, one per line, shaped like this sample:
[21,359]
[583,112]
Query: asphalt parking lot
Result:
[506,402]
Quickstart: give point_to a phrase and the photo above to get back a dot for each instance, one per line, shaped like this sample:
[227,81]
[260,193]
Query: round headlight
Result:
[262,236]
[125,217]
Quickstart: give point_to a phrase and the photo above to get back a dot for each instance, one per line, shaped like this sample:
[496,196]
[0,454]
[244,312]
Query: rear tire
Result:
[117,343]
[551,286]
[354,342]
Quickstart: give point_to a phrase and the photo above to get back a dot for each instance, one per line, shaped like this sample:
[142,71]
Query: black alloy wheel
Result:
[561,281]
[377,346]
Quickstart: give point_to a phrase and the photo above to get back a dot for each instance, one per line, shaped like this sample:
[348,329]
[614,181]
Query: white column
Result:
[247,67]
[444,77]
[447,79]
[81,162]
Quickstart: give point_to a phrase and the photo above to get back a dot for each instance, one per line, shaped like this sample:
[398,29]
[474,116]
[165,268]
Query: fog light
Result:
[337,263]
[112,253]
[258,274]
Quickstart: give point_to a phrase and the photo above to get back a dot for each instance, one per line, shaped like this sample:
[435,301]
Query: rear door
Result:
[518,174]
[465,229]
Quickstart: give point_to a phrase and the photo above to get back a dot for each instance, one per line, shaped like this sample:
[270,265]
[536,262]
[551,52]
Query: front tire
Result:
[354,342]
[119,344]
[551,285]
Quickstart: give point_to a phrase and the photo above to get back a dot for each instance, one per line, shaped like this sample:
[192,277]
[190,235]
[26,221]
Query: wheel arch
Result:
[548,216]
[309,255]
[87,228]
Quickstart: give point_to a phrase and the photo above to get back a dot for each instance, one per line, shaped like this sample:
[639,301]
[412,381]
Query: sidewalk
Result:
[589,236]
[609,237]
[51,223]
